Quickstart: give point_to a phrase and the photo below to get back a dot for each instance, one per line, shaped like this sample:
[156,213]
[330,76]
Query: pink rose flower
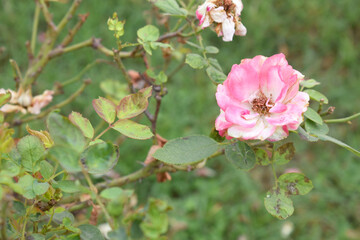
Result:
[226,14]
[260,99]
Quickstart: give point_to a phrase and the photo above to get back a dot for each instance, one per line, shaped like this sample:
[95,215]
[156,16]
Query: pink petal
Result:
[235,116]
[290,116]
[271,82]
[243,81]
[278,108]
[220,123]
[246,133]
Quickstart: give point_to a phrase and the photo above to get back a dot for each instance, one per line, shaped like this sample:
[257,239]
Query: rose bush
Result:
[59,182]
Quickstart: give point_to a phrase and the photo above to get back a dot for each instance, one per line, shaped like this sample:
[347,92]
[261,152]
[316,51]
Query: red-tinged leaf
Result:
[134,104]
[83,123]
[132,129]
[105,109]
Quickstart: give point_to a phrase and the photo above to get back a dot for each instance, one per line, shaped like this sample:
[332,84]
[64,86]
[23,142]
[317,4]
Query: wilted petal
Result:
[8,108]
[240,29]
[238,6]
[228,29]
[218,14]
[40,101]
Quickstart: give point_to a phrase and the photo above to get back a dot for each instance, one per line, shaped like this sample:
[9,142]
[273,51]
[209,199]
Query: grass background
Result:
[320,40]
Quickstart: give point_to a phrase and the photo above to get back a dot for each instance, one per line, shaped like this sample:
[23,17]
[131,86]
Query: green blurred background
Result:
[320,39]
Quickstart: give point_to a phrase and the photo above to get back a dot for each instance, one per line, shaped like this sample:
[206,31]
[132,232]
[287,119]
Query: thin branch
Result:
[341,120]
[47,15]
[148,170]
[156,114]
[16,70]
[121,65]
[68,39]
[68,15]
[35,27]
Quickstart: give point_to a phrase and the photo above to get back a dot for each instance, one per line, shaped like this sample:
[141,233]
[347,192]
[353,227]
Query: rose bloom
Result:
[260,99]
[226,13]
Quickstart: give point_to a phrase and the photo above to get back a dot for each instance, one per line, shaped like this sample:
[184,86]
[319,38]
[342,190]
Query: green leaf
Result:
[4,98]
[215,63]
[313,115]
[68,186]
[100,158]
[114,88]
[278,204]
[241,155]
[40,188]
[317,96]
[309,83]
[83,123]
[215,75]
[19,208]
[2,117]
[146,46]
[132,129]
[118,234]
[295,183]
[90,232]
[159,79]
[26,183]
[306,136]
[105,109]
[341,144]
[155,45]
[37,236]
[46,169]
[60,214]
[115,25]
[284,153]
[156,220]
[149,33]
[186,150]
[171,7]
[32,151]
[195,61]
[67,157]
[211,49]
[315,128]
[64,133]
[262,157]
[68,225]
[214,134]
[134,104]
[116,193]
[11,168]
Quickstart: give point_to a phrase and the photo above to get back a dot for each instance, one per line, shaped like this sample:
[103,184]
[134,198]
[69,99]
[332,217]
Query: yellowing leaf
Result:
[43,135]
[134,104]
[83,123]
[105,108]
[132,129]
